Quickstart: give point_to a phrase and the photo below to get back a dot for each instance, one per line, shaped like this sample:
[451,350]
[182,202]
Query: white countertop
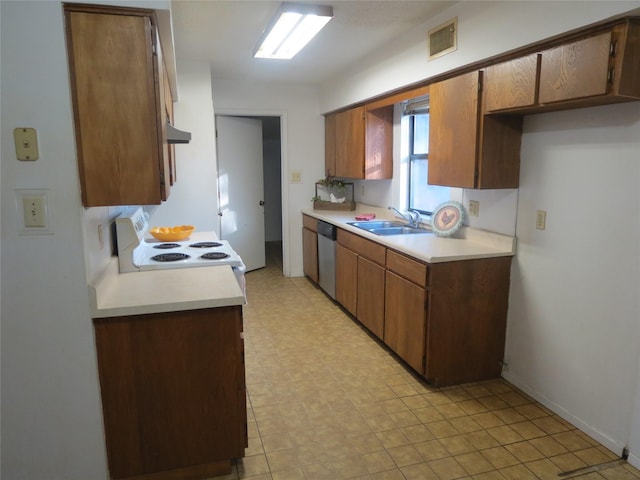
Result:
[116,294]
[466,244]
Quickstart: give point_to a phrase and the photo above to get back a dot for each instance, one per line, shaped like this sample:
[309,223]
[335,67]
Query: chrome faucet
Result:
[411,216]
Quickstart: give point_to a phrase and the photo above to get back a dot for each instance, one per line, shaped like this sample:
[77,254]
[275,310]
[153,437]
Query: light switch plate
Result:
[474,208]
[541,219]
[33,211]
[296,176]
[26,140]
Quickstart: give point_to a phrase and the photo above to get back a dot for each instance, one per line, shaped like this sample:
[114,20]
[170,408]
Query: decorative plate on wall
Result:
[447,218]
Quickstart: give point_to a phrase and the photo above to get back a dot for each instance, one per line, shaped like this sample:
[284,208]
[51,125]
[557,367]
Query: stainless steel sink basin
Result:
[369,225]
[388,227]
[398,230]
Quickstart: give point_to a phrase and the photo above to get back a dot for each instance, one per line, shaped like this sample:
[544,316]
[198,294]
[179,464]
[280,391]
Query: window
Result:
[421,196]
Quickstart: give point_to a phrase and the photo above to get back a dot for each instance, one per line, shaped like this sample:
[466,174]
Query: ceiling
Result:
[225,32]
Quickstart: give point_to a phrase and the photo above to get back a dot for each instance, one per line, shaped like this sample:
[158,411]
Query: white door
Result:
[240,186]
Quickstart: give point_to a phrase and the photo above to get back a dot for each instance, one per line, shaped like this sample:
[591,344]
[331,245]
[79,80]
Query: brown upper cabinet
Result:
[119,105]
[359,143]
[466,148]
[512,84]
[599,68]
[602,68]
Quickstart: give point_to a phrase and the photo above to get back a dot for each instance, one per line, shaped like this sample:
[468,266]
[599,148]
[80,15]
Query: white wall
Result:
[302,146]
[574,336]
[194,197]
[51,412]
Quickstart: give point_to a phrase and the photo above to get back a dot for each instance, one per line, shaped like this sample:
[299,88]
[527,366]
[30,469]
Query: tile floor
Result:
[327,401]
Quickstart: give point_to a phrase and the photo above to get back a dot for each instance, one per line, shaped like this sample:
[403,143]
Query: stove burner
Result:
[214,256]
[170,257]
[166,246]
[205,245]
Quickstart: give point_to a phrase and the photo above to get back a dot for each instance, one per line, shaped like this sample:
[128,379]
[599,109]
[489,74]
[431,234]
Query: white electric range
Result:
[137,253]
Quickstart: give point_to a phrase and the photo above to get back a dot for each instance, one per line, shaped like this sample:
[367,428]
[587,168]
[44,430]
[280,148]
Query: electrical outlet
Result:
[34,212]
[34,209]
[541,219]
[296,176]
[474,208]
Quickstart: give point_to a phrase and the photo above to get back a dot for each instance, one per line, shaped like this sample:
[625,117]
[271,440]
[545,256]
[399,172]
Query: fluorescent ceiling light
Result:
[291,29]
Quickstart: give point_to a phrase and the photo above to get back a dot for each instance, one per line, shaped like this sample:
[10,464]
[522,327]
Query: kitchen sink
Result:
[388,228]
[369,225]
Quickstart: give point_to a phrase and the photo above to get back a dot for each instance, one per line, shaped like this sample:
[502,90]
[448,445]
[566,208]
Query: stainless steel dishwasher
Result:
[327,257]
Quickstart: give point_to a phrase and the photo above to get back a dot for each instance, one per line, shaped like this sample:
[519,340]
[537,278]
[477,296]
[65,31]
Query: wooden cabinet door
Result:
[512,84]
[350,139]
[576,70]
[310,254]
[404,320]
[370,296]
[116,100]
[346,279]
[378,161]
[330,145]
[453,131]
[466,320]
[172,387]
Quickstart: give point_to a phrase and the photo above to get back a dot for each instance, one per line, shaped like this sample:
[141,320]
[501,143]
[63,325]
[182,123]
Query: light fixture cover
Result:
[291,29]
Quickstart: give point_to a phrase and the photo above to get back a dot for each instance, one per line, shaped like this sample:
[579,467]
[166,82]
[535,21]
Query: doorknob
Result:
[262,203]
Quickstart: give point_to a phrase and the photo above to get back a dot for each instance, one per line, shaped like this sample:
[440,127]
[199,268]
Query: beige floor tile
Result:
[457,444]
[571,440]
[442,429]
[282,460]
[386,475]
[432,450]
[405,455]
[417,433]
[544,469]
[251,466]
[518,472]
[505,434]
[420,471]
[568,462]
[474,463]
[294,473]
[524,451]
[327,401]
[548,446]
[447,468]
[500,457]
[378,461]
[528,430]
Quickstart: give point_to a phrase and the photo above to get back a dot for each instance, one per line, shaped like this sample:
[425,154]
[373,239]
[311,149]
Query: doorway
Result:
[271,242]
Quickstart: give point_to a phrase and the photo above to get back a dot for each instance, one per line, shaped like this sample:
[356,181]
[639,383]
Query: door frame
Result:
[284,167]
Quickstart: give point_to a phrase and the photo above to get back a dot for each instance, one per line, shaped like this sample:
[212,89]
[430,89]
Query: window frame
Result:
[414,156]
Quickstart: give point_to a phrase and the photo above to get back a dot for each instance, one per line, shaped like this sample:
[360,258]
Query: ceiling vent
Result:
[443,39]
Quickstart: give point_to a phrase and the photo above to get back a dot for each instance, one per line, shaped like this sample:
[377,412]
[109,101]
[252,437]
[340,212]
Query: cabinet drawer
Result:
[310,223]
[406,267]
[366,248]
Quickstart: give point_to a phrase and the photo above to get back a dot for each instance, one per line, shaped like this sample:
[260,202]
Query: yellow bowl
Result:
[172,234]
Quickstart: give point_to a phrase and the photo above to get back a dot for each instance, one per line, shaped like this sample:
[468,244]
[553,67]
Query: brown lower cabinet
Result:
[310,247]
[360,279]
[173,393]
[446,320]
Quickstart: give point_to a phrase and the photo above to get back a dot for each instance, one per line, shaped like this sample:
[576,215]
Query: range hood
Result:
[177,136]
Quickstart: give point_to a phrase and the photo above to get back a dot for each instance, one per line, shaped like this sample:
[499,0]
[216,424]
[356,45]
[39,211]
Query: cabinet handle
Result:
[610,76]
